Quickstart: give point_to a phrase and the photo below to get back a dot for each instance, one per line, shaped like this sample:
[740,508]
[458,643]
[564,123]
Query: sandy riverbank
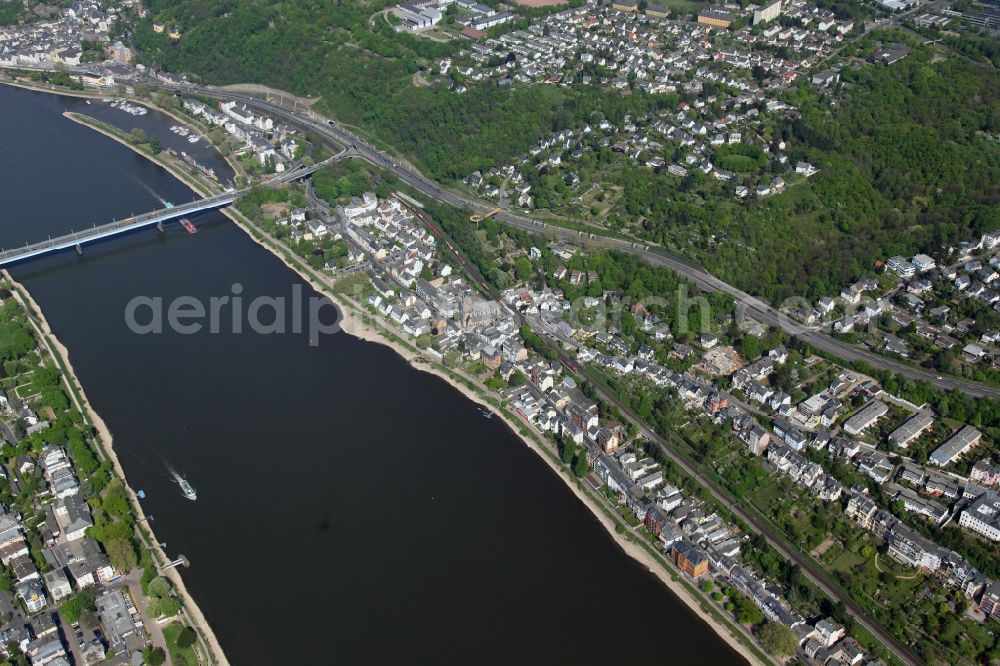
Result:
[191,609]
[354,323]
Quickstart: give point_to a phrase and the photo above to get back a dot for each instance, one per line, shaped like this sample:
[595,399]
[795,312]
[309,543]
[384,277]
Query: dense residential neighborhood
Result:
[77,34]
[946,316]
[721,133]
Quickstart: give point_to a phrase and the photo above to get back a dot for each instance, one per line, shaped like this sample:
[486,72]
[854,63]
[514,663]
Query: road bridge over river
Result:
[77,239]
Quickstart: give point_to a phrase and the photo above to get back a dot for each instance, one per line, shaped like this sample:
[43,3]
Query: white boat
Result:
[186,488]
[193,139]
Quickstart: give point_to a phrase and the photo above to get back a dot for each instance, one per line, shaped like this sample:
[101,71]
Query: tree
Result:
[154,143]
[114,502]
[187,637]
[522,268]
[750,614]
[137,135]
[778,639]
[568,450]
[746,611]
[495,383]
[164,606]
[70,610]
[153,656]
[749,347]
[158,587]
[581,467]
[122,555]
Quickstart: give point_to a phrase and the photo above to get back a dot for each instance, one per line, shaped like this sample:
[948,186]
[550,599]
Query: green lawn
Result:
[901,591]
[740,163]
[846,561]
[832,554]
[178,655]
[684,5]
[766,497]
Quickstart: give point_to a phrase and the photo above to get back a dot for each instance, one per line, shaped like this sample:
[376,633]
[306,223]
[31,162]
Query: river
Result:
[350,508]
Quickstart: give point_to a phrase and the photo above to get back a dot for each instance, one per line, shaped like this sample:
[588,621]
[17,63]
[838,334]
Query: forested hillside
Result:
[364,77]
[909,160]
[908,154]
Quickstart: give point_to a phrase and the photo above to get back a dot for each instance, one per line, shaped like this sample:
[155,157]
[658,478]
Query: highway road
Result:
[747,305]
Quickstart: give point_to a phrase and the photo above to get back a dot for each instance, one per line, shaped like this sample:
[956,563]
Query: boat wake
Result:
[187,490]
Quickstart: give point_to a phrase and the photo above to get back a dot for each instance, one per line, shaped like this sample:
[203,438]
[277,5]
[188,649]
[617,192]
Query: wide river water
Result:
[350,508]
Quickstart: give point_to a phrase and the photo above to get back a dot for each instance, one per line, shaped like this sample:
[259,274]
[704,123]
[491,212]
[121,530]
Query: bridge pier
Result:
[159,226]
[79,249]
